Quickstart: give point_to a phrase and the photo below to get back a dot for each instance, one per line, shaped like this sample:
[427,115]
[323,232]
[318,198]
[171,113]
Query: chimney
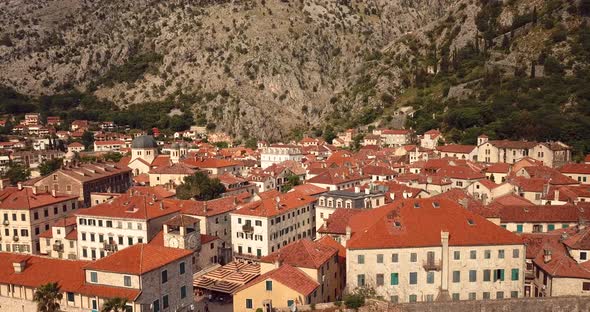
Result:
[546,255]
[161,205]
[205,207]
[19,185]
[556,194]
[348,232]
[444,240]
[357,189]
[278,261]
[53,193]
[19,267]
[34,189]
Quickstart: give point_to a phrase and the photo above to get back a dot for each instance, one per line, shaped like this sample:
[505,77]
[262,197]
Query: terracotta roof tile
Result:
[303,253]
[401,224]
[289,276]
[12,198]
[271,207]
[138,259]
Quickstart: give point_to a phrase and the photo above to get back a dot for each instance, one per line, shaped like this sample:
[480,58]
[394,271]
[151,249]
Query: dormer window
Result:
[470,222]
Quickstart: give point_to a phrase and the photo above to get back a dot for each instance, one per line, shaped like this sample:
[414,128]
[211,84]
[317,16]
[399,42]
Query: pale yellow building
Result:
[432,249]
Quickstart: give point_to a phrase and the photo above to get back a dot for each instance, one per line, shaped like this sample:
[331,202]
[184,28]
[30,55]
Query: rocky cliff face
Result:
[258,68]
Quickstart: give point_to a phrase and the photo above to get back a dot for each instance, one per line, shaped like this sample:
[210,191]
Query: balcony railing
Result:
[58,247]
[247,228]
[110,247]
[432,265]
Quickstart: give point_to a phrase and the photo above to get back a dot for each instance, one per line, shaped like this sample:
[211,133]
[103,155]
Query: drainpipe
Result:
[444,239]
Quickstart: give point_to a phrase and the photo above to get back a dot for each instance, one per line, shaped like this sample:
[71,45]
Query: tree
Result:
[112,156]
[116,304]
[329,134]
[50,166]
[199,186]
[17,173]
[87,139]
[48,297]
[292,180]
[251,143]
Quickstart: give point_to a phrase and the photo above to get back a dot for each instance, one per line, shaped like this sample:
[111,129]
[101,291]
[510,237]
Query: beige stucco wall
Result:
[422,289]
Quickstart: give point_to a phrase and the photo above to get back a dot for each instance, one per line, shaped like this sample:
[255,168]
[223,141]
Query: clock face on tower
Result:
[192,242]
[173,242]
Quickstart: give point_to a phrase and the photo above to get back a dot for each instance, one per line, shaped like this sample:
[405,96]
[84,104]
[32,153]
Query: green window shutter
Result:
[515,274]
[551,227]
[502,274]
[519,228]
[394,278]
[269,285]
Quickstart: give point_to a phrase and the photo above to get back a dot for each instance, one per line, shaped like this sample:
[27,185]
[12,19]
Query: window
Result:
[93,277]
[457,255]
[429,277]
[361,259]
[519,228]
[586,286]
[23,217]
[515,253]
[127,280]
[182,268]
[360,280]
[472,296]
[268,285]
[395,279]
[583,255]
[413,298]
[394,258]
[380,279]
[472,254]
[413,278]
[248,303]
[258,222]
[486,295]
[456,276]
[165,302]
[499,275]
[182,292]
[472,276]
[70,296]
[456,296]
[487,275]
[413,257]
[380,258]
[550,227]
[164,276]
[290,303]
[501,254]
[500,295]
[514,294]
[487,254]
[394,299]
[515,274]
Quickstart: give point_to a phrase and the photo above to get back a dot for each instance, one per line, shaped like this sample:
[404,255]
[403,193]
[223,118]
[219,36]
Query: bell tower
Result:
[184,232]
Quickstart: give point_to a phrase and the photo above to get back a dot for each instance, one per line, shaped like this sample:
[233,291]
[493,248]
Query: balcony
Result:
[58,247]
[110,247]
[247,228]
[432,265]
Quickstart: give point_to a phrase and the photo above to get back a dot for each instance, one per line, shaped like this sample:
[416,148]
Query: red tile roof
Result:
[209,208]
[271,207]
[12,198]
[159,191]
[456,148]
[94,171]
[308,189]
[127,206]
[109,142]
[498,168]
[542,213]
[512,144]
[336,223]
[209,162]
[329,241]
[578,238]
[422,227]
[138,259]
[337,176]
[303,253]
[575,168]
[177,168]
[561,264]
[289,276]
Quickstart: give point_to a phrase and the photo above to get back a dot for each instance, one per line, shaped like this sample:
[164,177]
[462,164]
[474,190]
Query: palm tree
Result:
[48,297]
[116,304]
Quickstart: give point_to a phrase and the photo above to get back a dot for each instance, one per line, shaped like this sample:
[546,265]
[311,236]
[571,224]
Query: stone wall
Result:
[553,304]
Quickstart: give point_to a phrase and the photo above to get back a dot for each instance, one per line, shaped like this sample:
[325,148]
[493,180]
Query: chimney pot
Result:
[53,193]
[19,185]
